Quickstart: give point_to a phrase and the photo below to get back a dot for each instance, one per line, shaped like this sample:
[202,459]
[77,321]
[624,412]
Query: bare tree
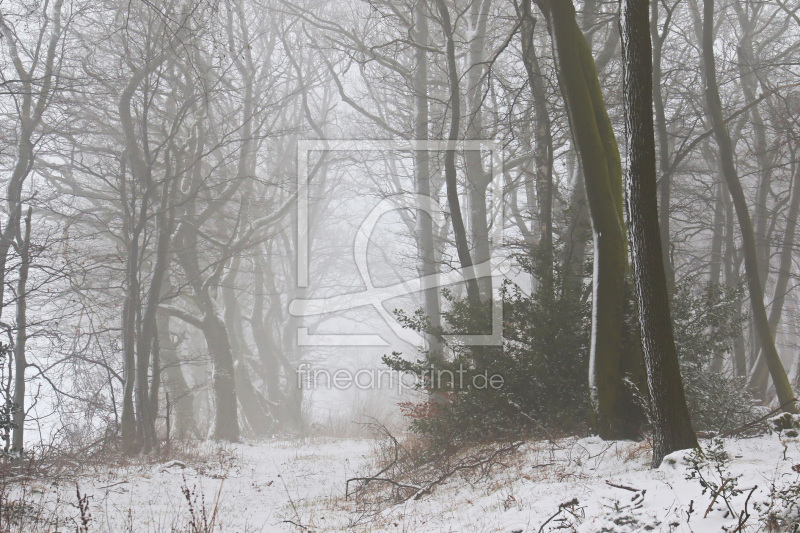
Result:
[669,415]
[33,87]
[754,284]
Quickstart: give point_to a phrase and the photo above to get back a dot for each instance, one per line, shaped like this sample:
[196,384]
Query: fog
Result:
[240,221]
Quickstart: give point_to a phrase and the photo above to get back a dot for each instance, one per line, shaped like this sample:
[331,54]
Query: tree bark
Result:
[717,236]
[761,213]
[130,308]
[264,344]
[669,415]
[138,426]
[733,278]
[226,422]
[253,406]
[147,339]
[579,228]
[32,104]
[749,84]
[594,137]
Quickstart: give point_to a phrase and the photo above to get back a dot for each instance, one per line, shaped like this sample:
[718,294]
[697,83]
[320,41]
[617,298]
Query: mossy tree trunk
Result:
[594,137]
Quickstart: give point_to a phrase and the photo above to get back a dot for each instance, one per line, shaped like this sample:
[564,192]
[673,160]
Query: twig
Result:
[376,477]
[295,524]
[547,433]
[716,495]
[291,501]
[623,487]
[446,475]
[113,485]
[736,431]
[573,502]
[385,480]
[216,504]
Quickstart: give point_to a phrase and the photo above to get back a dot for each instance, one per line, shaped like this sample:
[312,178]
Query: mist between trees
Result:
[204,199]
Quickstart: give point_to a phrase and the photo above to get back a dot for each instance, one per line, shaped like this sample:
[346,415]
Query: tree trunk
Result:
[450,171]
[20,360]
[226,421]
[147,341]
[717,236]
[760,373]
[669,415]
[543,141]
[761,322]
[749,83]
[422,178]
[32,101]
[715,266]
[600,159]
[733,278]
[181,396]
[761,213]
[130,308]
[135,217]
[477,179]
[254,408]
[293,395]
[578,230]
[264,344]
[665,187]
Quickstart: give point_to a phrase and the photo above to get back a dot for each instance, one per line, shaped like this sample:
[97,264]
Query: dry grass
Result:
[25,482]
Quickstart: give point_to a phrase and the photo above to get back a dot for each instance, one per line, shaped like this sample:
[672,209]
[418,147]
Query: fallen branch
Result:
[295,524]
[375,477]
[383,479]
[427,489]
[623,487]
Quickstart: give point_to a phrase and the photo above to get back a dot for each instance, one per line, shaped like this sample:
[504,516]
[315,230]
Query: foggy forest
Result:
[399,266]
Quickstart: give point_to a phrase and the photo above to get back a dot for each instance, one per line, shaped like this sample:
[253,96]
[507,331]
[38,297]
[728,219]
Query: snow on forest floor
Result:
[583,485]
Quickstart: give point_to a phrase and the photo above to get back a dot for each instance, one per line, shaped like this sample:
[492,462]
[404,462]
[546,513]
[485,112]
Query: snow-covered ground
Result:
[584,485]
